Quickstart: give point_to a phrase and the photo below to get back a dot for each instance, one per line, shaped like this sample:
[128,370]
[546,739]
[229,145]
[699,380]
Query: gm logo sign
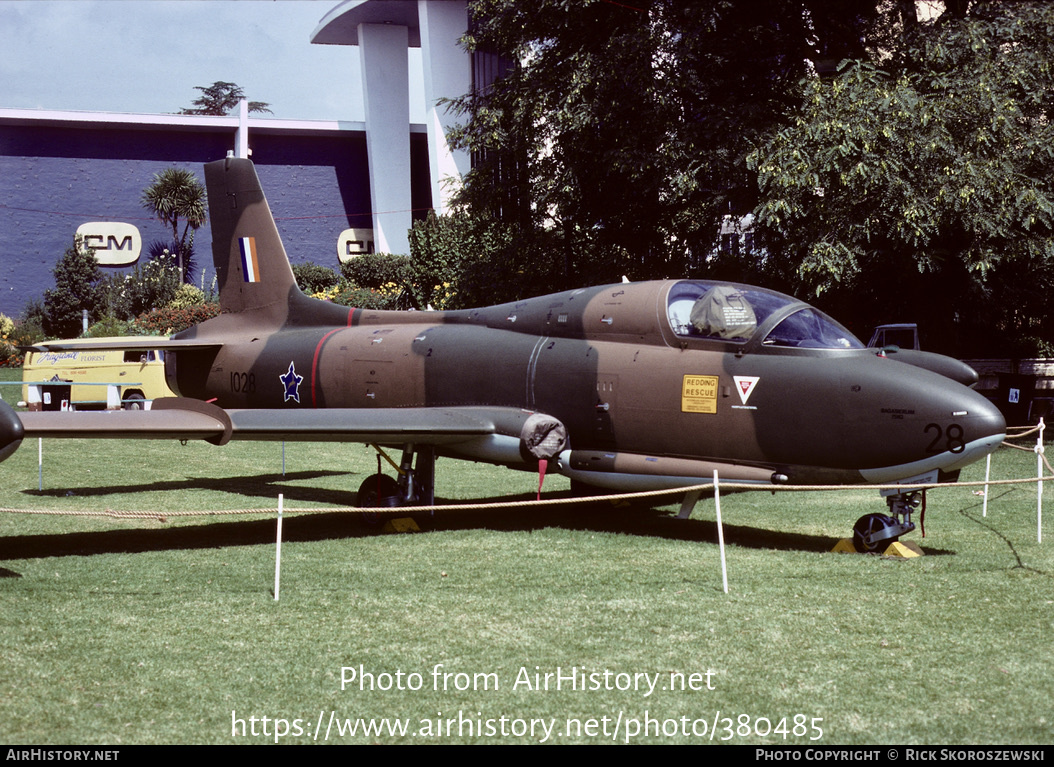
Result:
[354,242]
[114,243]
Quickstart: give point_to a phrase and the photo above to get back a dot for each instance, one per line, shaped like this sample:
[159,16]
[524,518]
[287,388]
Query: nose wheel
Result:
[875,532]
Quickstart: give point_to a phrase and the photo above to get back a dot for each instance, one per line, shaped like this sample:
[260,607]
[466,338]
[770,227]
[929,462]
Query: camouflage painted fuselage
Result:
[636,397]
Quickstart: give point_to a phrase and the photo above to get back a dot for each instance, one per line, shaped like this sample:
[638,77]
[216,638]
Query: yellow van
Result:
[94,379]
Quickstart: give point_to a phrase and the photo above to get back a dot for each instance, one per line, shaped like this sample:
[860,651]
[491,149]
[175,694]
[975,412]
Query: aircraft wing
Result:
[178,418]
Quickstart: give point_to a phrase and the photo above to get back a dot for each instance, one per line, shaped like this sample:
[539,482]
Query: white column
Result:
[385,75]
[241,137]
[447,74]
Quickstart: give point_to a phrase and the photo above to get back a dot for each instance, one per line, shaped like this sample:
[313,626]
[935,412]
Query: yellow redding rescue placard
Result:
[699,394]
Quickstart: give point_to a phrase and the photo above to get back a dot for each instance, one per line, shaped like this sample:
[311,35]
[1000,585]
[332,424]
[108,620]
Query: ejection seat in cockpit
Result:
[723,312]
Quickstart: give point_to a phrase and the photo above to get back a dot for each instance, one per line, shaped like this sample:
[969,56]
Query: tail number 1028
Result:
[243,383]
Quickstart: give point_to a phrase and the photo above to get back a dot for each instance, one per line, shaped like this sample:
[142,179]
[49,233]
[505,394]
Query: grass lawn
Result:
[126,631]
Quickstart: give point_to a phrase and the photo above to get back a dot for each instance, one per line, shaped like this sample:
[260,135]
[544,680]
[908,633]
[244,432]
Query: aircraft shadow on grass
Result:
[251,486]
[637,519]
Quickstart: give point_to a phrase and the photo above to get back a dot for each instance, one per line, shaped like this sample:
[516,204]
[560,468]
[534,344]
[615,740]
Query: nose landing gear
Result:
[875,532]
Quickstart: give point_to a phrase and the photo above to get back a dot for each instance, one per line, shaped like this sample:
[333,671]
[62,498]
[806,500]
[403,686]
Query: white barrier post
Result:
[40,464]
[1039,485]
[987,473]
[278,549]
[720,534]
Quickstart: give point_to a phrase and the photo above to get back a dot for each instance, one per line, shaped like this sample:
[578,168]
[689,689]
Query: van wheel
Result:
[134,401]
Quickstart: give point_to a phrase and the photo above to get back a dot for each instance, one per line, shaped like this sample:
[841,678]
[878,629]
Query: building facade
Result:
[337,188]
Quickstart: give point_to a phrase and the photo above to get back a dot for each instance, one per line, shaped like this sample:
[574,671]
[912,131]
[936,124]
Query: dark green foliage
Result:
[221,98]
[910,183]
[109,326]
[371,298]
[168,320]
[28,330]
[440,247]
[374,270]
[313,278]
[922,191]
[78,286]
[10,357]
[182,254]
[386,278]
[461,261]
[619,136]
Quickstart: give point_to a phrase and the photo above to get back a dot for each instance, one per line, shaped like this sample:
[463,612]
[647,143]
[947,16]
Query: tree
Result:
[896,167]
[623,128]
[220,99]
[78,286]
[314,278]
[924,189]
[459,261]
[176,195]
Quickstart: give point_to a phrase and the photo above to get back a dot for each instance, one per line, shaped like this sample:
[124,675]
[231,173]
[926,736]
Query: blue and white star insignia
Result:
[291,381]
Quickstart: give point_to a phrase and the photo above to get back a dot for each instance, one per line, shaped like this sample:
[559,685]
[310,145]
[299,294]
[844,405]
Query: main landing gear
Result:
[413,487]
[875,532]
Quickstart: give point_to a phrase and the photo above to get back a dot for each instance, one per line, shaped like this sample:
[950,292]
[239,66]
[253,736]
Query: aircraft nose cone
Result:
[984,429]
[917,421]
[986,415]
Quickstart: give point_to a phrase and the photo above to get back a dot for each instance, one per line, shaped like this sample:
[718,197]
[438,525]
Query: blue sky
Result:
[147,56]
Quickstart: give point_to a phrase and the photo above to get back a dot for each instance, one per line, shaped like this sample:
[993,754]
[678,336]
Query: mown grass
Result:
[142,631]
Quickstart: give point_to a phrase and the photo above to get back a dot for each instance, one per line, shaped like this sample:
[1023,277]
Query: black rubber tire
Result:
[379,491]
[869,524]
[134,401]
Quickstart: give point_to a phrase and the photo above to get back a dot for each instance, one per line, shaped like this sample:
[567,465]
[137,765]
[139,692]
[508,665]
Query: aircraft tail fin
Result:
[252,267]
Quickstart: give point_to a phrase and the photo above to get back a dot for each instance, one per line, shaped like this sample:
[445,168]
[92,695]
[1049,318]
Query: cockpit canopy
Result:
[738,313]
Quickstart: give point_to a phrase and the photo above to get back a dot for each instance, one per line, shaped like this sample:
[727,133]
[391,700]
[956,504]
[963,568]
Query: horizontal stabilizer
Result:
[170,418]
[146,343]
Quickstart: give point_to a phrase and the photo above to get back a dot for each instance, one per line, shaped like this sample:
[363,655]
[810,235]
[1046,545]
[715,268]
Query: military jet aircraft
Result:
[650,385]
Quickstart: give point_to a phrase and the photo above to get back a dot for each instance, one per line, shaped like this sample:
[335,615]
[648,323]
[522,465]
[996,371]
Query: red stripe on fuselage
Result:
[314,367]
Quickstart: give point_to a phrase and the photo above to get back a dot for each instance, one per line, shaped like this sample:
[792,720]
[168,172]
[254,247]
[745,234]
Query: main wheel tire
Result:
[867,526]
[379,491]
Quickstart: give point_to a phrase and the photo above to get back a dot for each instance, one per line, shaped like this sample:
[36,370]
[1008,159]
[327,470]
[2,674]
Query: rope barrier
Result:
[472,506]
